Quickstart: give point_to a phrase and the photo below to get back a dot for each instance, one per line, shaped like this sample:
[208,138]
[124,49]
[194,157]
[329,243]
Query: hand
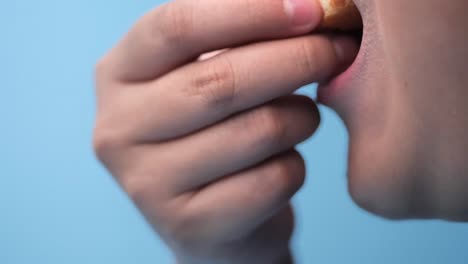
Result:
[205,148]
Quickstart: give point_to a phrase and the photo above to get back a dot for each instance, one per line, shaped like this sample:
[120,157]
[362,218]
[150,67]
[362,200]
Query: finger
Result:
[277,232]
[235,144]
[181,30]
[270,240]
[205,92]
[240,204]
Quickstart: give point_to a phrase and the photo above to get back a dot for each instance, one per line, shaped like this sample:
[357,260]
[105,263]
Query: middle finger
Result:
[235,144]
[207,91]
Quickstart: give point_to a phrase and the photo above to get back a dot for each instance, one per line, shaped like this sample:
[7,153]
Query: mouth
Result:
[329,90]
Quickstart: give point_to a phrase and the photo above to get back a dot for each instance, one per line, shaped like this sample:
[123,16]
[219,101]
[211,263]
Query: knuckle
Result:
[215,85]
[284,179]
[312,55]
[176,22]
[272,126]
[287,176]
[105,142]
[174,223]
[280,176]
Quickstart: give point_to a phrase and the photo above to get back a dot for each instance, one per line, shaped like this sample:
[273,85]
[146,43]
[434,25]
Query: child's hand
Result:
[205,148]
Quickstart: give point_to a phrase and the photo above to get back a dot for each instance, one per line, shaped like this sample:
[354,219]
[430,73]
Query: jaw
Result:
[408,159]
[406,115]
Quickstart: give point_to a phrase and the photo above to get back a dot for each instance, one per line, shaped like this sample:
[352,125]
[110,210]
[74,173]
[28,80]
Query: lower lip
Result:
[326,93]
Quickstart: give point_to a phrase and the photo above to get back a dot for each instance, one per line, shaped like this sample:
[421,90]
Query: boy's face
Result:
[405,104]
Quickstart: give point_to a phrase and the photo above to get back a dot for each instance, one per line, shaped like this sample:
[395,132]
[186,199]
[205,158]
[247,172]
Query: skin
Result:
[203,142]
[406,110]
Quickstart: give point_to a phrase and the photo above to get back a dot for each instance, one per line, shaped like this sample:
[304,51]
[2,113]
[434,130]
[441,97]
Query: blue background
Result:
[57,205]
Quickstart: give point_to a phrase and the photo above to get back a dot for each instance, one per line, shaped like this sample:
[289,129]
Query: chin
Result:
[381,182]
[397,166]
[398,170]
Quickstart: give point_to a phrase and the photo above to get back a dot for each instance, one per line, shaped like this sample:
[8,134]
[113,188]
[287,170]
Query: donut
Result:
[340,15]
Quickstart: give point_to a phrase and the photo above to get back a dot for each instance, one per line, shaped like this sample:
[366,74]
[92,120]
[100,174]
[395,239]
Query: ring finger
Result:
[233,145]
[205,92]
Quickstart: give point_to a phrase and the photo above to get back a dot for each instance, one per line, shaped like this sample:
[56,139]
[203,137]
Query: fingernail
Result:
[346,49]
[303,13]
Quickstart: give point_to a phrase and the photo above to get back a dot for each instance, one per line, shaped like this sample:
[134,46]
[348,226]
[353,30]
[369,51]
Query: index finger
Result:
[179,31]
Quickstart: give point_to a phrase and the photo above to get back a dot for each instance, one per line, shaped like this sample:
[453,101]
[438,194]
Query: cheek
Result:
[408,112]
[425,44]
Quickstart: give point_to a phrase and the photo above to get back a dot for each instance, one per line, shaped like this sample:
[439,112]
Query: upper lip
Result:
[328,91]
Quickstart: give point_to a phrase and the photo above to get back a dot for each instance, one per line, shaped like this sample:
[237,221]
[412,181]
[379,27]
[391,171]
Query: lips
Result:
[329,92]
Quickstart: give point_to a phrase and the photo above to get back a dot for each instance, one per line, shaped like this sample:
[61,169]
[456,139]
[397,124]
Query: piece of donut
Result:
[340,14]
